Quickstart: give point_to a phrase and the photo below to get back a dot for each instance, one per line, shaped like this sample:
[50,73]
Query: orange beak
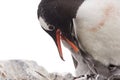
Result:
[58,38]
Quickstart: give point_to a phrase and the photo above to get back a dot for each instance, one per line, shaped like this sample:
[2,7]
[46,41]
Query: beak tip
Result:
[62,58]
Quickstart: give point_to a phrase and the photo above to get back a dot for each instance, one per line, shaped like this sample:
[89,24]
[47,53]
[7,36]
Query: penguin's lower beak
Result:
[59,36]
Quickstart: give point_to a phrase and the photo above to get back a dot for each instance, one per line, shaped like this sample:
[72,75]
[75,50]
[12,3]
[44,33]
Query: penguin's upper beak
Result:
[59,36]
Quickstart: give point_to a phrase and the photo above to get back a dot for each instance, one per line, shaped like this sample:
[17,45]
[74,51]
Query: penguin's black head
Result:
[56,17]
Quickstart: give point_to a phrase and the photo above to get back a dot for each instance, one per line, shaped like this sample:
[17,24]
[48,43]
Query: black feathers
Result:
[58,9]
[60,13]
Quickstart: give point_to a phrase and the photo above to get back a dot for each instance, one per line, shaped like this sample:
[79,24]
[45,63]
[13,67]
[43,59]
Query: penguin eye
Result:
[46,26]
[51,28]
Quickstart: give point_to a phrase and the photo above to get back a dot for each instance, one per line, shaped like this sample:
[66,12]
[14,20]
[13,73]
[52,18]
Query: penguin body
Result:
[98,27]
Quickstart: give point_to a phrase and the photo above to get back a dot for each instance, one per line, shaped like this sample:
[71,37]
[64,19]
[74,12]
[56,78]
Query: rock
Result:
[21,70]
[28,70]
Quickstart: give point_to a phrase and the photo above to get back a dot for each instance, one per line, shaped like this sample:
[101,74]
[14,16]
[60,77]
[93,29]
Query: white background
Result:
[21,37]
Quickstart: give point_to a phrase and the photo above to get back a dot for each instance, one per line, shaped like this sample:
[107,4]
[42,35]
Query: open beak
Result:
[58,42]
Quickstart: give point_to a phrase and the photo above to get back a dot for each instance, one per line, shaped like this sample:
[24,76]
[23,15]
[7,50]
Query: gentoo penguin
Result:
[89,25]
[56,18]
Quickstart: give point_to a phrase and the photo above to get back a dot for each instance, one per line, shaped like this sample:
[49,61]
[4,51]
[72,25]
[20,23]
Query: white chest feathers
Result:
[98,28]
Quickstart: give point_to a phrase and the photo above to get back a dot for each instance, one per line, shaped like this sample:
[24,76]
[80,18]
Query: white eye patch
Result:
[45,25]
